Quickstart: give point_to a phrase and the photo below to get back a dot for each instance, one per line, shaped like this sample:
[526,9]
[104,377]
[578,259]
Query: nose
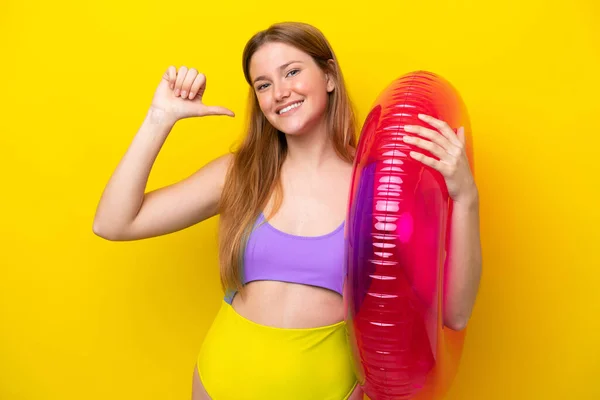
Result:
[281,92]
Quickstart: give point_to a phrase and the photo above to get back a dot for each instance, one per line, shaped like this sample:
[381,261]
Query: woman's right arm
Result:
[125,210]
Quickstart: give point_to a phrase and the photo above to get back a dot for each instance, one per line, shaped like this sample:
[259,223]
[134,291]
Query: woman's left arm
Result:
[463,269]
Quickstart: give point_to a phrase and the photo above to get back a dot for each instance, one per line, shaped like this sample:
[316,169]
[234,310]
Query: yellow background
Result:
[83,318]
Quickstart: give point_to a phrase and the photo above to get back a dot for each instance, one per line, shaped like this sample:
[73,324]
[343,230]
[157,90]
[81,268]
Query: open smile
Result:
[290,108]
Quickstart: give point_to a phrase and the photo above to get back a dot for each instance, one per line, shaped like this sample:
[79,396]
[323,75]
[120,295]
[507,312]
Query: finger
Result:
[430,134]
[218,110]
[458,150]
[441,126]
[180,78]
[197,85]
[429,161]
[187,82]
[432,147]
[170,75]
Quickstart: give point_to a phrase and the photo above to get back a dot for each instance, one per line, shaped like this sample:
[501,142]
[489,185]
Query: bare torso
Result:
[313,205]
[288,305]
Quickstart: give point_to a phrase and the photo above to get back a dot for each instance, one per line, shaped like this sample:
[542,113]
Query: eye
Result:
[293,72]
[260,87]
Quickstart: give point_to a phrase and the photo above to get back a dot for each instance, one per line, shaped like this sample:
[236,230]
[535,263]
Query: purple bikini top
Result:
[311,260]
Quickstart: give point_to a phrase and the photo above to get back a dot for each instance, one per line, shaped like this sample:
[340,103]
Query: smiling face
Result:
[292,90]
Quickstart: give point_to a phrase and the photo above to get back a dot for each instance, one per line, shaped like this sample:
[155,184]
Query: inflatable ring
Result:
[397,237]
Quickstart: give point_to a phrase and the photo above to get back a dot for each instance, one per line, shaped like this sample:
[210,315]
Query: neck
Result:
[310,150]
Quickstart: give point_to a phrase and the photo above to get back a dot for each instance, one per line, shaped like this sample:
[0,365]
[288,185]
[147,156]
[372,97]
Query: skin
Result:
[464,261]
[315,182]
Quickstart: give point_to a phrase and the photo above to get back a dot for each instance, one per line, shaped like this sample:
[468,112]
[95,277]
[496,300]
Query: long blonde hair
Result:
[253,176]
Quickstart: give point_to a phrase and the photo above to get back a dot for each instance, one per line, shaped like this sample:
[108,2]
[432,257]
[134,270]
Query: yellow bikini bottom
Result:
[243,360]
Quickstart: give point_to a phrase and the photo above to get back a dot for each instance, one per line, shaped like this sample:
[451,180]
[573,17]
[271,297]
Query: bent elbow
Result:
[108,234]
[457,326]
[456,322]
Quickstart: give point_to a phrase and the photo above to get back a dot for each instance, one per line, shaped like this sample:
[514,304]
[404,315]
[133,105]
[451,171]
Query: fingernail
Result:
[176,92]
[183,93]
[191,96]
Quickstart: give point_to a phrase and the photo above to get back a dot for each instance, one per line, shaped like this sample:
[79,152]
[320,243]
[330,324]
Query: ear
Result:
[329,76]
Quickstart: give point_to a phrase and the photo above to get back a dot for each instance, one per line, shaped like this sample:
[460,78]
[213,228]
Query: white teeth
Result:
[288,108]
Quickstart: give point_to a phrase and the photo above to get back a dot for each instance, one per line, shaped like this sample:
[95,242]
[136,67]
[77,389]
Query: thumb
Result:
[218,110]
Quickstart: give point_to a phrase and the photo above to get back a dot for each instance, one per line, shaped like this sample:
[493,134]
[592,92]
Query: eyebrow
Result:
[284,66]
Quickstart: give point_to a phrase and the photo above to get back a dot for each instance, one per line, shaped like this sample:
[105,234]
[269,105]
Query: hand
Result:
[449,148]
[179,94]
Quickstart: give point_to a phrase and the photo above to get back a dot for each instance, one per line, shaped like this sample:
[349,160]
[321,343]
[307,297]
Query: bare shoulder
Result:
[204,184]
[199,193]
[217,168]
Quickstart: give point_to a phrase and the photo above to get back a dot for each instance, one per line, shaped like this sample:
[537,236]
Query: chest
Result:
[316,261]
[311,207]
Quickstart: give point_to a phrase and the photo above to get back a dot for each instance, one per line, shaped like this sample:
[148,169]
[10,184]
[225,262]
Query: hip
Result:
[241,359]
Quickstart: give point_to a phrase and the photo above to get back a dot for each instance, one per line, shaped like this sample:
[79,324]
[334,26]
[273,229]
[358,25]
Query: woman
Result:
[282,199]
